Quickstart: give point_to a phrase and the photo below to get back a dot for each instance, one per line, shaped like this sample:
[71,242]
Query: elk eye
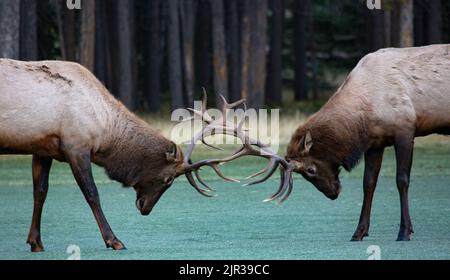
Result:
[168,181]
[311,171]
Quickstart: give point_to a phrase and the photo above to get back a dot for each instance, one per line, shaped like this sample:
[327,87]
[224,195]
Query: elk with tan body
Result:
[58,110]
[391,97]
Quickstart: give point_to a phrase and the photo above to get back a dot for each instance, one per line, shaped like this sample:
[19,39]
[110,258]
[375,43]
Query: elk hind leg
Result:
[404,155]
[41,169]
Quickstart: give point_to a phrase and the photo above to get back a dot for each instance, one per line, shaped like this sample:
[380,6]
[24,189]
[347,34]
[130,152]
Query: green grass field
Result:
[236,224]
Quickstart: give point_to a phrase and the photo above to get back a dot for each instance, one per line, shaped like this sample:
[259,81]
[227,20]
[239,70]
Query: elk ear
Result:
[171,154]
[308,142]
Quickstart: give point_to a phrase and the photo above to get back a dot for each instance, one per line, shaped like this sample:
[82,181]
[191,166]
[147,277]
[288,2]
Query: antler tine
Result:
[197,175]
[188,119]
[285,185]
[280,190]
[231,105]
[205,103]
[272,164]
[272,167]
[192,143]
[203,114]
[262,171]
[240,153]
[220,174]
[201,136]
[211,146]
[289,190]
[194,184]
[227,106]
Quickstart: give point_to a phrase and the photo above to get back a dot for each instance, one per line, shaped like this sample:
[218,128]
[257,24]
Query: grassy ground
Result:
[236,224]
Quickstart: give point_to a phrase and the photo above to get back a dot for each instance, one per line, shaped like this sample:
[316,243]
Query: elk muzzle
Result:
[144,206]
[146,201]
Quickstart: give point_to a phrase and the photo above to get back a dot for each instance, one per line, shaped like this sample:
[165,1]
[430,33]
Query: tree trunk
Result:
[102,45]
[301,12]
[125,83]
[253,52]
[174,52]
[61,28]
[233,49]
[219,49]
[187,15]
[203,45]
[314,64]
[274,78]
[259,46]
[395,24]
[134,63]
[245,50]
[387,28]
[419,23]
[154,58]
[28,30]
[435,22]
[111,12]
[66,20]
[406,30]
[87,44]
[9,29]
[376,30]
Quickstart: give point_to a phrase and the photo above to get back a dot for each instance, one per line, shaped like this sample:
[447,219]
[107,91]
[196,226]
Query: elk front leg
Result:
[41,169]
[372,161]
[82,170]
[404,155]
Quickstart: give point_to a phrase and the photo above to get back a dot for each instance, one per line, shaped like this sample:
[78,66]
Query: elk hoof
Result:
[36,246]
[360,233]
[405,234]
[359,237]
[116,244]
[404,238]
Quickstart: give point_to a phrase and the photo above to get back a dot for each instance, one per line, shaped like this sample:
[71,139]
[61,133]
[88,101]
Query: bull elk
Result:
[56,110]
[391,97]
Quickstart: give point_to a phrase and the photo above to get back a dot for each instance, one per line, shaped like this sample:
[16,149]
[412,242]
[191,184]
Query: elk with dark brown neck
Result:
[59,110]
[391,97]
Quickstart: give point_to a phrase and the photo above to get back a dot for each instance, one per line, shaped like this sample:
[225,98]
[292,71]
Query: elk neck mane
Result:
[134,146]
[339,136]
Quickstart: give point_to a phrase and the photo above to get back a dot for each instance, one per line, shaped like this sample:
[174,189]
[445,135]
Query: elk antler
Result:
[224,127]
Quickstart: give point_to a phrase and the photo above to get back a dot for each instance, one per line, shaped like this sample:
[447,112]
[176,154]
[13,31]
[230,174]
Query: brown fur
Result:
[337,138]
[136,151]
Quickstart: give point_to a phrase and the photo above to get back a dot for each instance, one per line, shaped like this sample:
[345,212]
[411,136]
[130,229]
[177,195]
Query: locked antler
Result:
[250,147]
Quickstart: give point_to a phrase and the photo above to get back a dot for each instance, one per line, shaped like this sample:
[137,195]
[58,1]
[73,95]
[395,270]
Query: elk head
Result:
[157,175]
[311,164]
